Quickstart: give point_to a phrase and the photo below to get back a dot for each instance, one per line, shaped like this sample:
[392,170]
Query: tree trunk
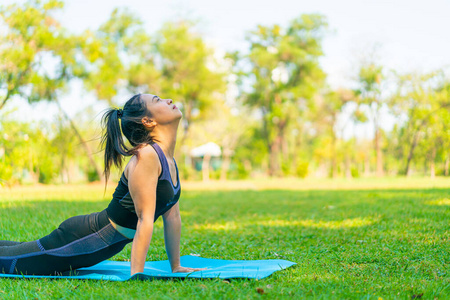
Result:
[285,148]
[433,164]
[380,171]
[274,166]
[348,171]
[269,144]
[281,150]
[225,164]
[186,121]
[411,153]
[271,149]
[272,158]
[69,172]
[367,166]
[205,167]
[416,135]
[85,145]
[447,165]
[297,144]
[248,165]
[38,173]
[6,98]
[334,172]
[33,176]
[62,168]
[334,168]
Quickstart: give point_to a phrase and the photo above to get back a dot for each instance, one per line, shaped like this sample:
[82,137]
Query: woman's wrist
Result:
[174,259]
[175,267]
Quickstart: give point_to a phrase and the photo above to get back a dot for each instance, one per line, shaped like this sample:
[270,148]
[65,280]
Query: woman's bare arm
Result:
[142,183]
[172,234]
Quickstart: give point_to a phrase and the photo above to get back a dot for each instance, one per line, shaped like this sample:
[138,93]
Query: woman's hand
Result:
[181,269]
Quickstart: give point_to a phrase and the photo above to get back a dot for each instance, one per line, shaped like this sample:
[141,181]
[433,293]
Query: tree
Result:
[25,147]
[118,58]
[191,73]
[370,80]
[420,97]
[327,110]
[33,41]
[226,126]
[285,76]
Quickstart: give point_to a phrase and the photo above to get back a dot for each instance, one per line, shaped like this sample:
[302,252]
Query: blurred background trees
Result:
[269,110]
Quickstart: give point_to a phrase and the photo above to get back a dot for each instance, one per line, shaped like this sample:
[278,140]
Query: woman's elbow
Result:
[145,221]
[173,219]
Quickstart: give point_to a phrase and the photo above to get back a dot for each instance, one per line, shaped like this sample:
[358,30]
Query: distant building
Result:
[209,153]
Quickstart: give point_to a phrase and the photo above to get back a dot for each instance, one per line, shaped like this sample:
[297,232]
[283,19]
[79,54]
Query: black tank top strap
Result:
[165,174]
[123,178]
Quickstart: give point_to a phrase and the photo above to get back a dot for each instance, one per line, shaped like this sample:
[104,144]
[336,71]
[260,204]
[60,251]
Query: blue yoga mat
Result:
[217,268]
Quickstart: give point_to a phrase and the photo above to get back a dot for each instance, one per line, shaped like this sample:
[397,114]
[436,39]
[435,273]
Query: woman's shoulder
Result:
[148,155]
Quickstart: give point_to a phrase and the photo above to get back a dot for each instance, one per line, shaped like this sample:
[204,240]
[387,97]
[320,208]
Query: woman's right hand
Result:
[181,269]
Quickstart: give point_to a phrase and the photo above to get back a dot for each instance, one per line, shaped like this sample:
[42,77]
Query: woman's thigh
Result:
[77,242]
[68,231]
[57,261]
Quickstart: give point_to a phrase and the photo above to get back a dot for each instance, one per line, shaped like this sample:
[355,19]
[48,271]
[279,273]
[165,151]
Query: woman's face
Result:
[163,111]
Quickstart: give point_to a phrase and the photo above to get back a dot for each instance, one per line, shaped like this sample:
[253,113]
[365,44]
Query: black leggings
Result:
[79,241]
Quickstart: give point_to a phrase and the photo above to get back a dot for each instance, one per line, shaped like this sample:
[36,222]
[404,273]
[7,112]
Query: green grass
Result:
[348,244]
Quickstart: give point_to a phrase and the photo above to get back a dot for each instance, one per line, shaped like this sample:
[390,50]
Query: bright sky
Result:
[412,34]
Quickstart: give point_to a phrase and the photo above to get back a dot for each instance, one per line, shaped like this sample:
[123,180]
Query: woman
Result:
[147,189]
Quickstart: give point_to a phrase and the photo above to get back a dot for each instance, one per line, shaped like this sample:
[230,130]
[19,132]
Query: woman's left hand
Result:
[181,269]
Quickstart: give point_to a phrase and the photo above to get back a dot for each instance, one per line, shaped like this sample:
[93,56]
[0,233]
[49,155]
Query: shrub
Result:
[302,169]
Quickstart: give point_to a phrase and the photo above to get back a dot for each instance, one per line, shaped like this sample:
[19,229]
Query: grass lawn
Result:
[370,239]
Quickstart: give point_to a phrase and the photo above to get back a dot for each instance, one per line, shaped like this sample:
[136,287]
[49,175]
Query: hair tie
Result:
[119,112]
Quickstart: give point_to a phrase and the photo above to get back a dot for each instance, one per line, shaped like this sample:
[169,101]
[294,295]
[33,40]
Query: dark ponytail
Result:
[131,126]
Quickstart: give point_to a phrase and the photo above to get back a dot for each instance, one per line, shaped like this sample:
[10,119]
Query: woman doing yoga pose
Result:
[148,188]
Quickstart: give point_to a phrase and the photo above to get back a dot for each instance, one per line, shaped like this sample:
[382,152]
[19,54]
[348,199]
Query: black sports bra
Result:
[121,208]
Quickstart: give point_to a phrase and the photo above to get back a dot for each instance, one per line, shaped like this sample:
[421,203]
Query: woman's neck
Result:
[166,139]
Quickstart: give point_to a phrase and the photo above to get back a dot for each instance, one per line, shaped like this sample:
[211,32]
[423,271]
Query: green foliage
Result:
[32,38]
[424,98]
[92,175]
[191,74]
[251,146]
[214,174]
[118,56]
[355,172]
[47,170]
[286,167]
[302,169]
[44,150]
[187,172]
[16,141]
[283,110]
[285,73]
[6,170]
[240,171]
